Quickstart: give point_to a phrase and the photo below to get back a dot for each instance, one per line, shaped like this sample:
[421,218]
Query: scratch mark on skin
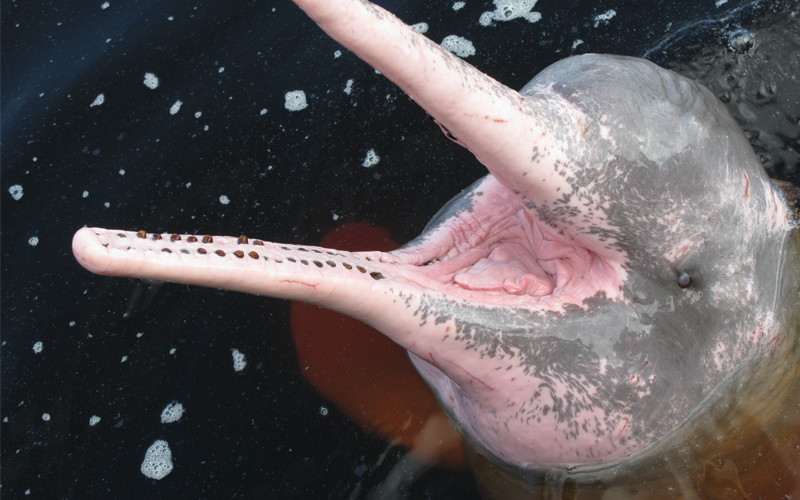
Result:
[311,285]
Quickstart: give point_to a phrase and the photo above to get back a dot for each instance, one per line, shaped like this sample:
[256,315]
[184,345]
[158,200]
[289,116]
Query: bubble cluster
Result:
[175,107]
[157,461]
[172,413]
[506,10]
[295,100]
[16,192]
[741,41]
[458,45]
[150,81]
[238,360]
[371,159]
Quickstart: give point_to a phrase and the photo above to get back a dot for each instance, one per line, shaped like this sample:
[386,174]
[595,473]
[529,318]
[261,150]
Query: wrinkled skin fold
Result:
[575,305]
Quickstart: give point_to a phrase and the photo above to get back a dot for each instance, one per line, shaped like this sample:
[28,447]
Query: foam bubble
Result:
[33,241]
[150,81]
[224,199]
[172,413]
[157,460]
[371,159]
[458,45]
[37,347]
[94,420]
[458,5]
[506,10]
[348,88]
[295,100]
[604,18]
[16,192]
[100,99]
[238,360]
[420,27]
[175,107]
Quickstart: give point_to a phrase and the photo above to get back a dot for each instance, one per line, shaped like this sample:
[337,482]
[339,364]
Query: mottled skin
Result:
[542,305]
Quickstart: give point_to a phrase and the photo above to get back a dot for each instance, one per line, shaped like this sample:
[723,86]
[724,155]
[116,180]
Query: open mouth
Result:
[496,251]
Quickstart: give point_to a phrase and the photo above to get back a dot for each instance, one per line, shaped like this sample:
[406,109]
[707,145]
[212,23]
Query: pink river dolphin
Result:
[579,303]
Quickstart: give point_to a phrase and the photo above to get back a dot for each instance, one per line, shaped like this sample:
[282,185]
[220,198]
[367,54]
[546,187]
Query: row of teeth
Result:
[243,240]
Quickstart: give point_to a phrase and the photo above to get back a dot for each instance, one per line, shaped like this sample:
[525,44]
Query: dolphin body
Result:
[576,305]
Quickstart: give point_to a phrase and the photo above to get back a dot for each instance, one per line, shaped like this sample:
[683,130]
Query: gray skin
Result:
[578,304]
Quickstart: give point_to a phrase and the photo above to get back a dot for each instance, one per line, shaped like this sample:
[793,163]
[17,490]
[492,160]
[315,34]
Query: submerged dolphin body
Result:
[575,305]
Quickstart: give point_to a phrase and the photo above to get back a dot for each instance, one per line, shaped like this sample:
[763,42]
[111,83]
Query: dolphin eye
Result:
[684,280]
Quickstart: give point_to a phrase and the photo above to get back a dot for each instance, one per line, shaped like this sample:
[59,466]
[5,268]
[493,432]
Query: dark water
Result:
[122,350]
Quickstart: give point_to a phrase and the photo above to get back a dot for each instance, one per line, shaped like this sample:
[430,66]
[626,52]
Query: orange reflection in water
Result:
[366,375]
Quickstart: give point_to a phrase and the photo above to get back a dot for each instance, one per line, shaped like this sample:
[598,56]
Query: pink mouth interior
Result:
[507,256]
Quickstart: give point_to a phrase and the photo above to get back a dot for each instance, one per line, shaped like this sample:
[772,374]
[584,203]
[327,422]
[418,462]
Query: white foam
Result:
[238,360]
[85,194]
[507,10]
[458,45]
[37,347]
[371,159]
[105,5]
[172,413]
[605,17]
[33,241]
[420,27]
[99,100]
[175,107]
[46,417]
[458,5]
[150,81]
[224,199]
[348,87]
[94,420]
[157,460]
[295,100]
[16,192]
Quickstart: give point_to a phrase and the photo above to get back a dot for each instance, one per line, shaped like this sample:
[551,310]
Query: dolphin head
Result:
[613,269]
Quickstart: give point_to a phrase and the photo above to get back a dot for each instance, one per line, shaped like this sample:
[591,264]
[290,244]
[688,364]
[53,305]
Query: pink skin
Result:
[518,258]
